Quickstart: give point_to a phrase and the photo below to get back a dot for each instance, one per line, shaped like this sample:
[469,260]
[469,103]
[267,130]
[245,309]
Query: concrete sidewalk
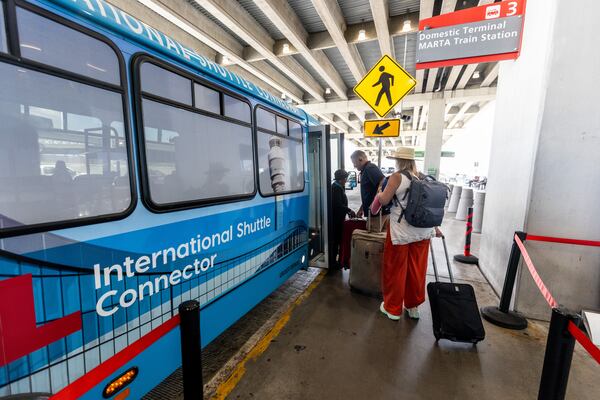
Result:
[337,345]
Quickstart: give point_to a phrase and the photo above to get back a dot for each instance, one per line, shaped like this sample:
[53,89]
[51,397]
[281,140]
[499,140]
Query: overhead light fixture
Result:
[226,61]
[407,26]
[327,90]
[283,96]
[476,75]
[362,35]
[286,48]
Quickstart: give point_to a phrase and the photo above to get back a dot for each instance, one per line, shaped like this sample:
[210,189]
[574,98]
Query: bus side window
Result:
[280,154]
[207,99]
[235,108]
[295,130]
[282,127]
[60,158]
[265,119]
[160,82]
[63,148]
[191,157]
[48,42]
[3,41]
[197,158]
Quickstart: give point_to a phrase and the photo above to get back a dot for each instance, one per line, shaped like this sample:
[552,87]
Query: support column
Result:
[547,136]
[435,134]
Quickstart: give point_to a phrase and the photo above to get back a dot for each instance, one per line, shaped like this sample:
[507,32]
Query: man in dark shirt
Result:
[339,203]
[370,178]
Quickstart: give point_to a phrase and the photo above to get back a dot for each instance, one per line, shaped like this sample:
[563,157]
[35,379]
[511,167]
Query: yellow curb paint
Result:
[227,387]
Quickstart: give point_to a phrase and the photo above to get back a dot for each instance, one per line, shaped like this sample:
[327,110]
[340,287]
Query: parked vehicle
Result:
[351,182]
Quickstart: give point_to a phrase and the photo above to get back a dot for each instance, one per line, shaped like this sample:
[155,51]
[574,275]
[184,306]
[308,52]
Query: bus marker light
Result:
[120,382]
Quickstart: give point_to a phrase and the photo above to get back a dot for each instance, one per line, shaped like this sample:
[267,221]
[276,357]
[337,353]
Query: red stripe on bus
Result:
[104,370]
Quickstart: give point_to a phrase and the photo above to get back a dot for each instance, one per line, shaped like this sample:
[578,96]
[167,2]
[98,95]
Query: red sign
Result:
[492,11]
[19,333]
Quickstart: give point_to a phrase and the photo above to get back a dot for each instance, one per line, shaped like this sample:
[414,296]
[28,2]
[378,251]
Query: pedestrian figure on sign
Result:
[386,81]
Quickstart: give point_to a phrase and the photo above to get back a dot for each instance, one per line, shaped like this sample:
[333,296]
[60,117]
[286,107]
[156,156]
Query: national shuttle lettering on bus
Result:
[112,15]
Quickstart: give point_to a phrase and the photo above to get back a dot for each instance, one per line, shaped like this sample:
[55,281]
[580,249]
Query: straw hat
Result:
[403,153]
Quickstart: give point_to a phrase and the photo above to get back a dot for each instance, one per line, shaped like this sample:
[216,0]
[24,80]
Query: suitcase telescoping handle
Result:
[447,259]
[435,271]
[369,220]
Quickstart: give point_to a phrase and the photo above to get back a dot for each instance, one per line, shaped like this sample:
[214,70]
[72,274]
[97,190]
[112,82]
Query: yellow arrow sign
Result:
[382,128]
[385,85]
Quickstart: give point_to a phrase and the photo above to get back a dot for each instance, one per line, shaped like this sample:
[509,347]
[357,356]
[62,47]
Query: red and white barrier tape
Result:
[585,341]
[534,274]
[577,333]
[578,242]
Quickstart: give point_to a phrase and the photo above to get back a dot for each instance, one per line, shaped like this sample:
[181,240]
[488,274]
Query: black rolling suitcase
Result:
[454,308]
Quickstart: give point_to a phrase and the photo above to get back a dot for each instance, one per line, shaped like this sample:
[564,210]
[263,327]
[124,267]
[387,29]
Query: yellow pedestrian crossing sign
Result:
[385,85]
[382,128]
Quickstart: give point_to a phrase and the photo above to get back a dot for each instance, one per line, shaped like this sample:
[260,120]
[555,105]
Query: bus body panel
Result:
[247,268]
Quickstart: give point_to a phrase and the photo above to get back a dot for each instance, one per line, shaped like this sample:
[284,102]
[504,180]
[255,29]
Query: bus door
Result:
[336,146]
[319,170]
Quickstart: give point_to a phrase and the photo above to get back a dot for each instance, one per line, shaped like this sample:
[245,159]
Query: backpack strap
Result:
[410,178]
[382,185]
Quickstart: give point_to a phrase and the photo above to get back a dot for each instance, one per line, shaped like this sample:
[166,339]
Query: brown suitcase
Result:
[365,262]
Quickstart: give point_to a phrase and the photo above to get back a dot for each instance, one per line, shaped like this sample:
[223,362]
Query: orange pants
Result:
[403,274]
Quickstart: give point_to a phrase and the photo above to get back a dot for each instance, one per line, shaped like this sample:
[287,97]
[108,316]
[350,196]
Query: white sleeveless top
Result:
[403,232]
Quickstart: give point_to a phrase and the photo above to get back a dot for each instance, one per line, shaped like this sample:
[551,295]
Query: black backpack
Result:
[426,201]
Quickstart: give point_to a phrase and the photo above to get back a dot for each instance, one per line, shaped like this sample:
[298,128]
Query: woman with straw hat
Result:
[406,247]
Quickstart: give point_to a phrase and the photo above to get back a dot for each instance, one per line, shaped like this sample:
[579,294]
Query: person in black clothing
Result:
[340,208]
[370,179]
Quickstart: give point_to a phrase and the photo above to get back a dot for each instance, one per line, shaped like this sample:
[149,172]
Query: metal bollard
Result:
[501,315]
[191,355]
[467,257]
[559,354]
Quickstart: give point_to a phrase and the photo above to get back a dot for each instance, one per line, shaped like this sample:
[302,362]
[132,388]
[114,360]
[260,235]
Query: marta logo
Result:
[492,12]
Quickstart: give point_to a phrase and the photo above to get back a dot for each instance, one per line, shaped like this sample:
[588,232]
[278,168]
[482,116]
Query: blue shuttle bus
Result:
[134,174]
